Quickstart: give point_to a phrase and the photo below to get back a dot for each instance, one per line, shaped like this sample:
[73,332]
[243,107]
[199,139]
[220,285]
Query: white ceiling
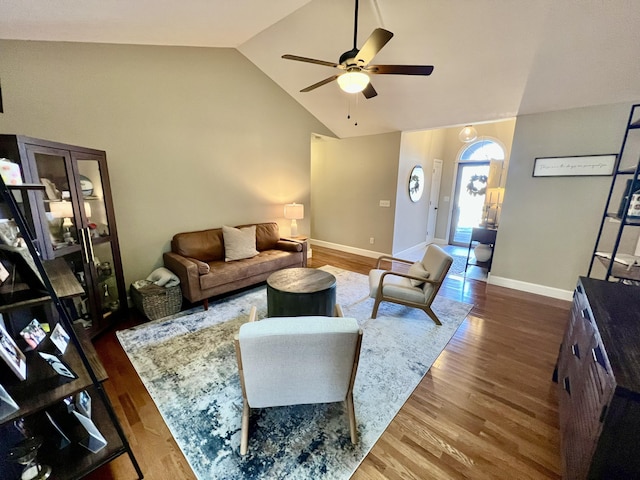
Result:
[494,59]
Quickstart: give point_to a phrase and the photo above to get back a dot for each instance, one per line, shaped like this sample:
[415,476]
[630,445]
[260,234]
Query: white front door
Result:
[436,176]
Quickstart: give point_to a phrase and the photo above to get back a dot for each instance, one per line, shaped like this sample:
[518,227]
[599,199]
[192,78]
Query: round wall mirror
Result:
[416,183]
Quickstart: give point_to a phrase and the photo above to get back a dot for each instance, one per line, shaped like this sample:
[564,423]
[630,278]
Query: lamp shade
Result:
[468,134]
[61,209]
[294,211]
[353,82]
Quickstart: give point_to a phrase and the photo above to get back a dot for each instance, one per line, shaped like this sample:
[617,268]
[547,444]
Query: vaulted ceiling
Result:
[494,59]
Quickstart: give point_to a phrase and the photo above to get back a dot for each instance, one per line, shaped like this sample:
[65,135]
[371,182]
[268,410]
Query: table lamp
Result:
[293,212]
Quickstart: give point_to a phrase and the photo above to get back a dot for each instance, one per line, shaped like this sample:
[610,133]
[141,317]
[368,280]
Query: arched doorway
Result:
[472,176]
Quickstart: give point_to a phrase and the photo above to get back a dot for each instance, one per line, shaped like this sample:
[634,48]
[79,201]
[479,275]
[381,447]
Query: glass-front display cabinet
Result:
[73,219]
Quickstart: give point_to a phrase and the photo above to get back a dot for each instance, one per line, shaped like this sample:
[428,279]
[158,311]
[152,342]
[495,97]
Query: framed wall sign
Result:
[577,166]
[416,183]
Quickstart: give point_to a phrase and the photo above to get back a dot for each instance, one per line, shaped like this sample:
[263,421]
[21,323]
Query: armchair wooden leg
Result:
[244,441]
[433,316]
[352,418]
[205,302]
[374,314]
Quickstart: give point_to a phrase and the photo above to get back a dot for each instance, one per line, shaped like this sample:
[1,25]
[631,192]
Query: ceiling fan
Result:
[355,64]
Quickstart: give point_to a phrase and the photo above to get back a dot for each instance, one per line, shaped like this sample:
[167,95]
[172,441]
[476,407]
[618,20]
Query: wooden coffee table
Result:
[295,292]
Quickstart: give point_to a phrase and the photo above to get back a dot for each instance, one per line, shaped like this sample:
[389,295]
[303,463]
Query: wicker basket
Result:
[157,302]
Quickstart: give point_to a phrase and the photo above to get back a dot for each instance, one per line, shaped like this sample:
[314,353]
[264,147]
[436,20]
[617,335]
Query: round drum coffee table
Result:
[295,292]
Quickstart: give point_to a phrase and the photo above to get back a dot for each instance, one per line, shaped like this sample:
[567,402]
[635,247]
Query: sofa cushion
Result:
[264,263]
[418,270]
[239,243]
[203,245]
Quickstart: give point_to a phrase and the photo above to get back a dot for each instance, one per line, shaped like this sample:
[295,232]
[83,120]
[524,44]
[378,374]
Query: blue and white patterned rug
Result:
[187,363]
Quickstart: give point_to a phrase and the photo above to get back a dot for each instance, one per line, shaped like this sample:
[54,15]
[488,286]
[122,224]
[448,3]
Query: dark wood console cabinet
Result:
[599,382]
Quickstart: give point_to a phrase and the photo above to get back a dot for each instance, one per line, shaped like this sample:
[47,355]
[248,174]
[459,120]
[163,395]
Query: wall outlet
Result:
[371,240]
[385,203]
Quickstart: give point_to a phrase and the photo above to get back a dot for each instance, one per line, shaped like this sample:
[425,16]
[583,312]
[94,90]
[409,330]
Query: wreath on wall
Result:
[473,189]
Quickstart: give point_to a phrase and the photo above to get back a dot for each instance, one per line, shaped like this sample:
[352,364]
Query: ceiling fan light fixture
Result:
[354,81]
[468,134]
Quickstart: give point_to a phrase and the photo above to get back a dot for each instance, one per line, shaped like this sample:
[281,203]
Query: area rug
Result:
[187,363]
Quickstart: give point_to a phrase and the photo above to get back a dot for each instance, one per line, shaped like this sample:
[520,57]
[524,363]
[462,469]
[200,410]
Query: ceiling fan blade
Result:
[369,91]
[311,60]
[373,45]
[400,69]
[320,83]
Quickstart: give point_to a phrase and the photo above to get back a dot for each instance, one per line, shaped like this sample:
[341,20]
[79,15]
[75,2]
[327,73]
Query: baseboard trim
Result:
[534,288]
[531,287]
[345,248]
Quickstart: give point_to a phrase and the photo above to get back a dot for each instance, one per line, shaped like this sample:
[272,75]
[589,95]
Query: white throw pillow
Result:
[239,243]
[418,270]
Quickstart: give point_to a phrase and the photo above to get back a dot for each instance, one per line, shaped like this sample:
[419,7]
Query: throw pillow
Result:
[418,270]
[239,243]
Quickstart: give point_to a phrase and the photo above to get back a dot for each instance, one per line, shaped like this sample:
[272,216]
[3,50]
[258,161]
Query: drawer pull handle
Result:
[603,413]
[598,356]
[575,349]
[567,385]
[585,314]
[579,288]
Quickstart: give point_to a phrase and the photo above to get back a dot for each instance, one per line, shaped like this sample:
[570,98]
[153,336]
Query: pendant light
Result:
[468,134]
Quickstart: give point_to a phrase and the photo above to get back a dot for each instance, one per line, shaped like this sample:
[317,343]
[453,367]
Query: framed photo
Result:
[33,334]
[60,338]
[7,404]
[58,365]
[12,355]
[577,166]
[83,403]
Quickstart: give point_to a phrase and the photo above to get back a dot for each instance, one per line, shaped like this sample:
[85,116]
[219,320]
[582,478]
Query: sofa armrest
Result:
[293,245]
[187,272]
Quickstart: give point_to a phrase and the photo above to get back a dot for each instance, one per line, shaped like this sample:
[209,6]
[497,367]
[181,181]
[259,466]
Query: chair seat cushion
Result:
[395,286]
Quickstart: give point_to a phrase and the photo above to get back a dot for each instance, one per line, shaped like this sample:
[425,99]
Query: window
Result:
[482,150]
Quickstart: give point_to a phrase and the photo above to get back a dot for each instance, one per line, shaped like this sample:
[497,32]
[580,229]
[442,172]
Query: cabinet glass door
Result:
[76,208]
[97,238]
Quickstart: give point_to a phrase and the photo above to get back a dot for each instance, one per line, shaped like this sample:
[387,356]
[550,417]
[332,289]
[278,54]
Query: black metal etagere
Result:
[73,463]
[616,245]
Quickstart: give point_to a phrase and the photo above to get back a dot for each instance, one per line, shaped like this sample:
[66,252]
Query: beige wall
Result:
[349,178]
[417,148]
[549,225]
[195,137]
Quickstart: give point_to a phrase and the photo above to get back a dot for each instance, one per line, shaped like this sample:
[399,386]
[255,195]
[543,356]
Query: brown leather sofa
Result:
[198,259]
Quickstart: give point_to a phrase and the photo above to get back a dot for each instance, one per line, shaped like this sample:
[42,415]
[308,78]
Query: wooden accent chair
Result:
[297,360]
[416,288]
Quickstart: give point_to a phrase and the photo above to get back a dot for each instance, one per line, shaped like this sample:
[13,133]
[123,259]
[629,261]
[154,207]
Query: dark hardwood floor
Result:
[487,409]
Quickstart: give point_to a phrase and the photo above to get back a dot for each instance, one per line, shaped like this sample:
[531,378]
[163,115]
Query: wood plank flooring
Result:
[487,409]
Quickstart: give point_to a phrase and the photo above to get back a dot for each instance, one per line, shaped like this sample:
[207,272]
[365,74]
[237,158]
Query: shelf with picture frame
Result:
[50,376]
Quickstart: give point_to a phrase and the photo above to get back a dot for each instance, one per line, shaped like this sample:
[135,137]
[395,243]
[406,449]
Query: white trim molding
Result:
[345,248]
[531,287]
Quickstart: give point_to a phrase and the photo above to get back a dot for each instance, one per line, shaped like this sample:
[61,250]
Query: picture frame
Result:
[33,334]
[83,403]
[7,404]
[574,166]
[60,338]
[12,355]
[58,366]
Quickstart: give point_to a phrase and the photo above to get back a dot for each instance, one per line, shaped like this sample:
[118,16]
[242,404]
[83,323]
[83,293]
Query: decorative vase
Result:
[483,252]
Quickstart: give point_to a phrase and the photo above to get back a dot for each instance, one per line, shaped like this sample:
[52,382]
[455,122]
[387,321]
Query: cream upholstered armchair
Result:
[416,288]
[297,360]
